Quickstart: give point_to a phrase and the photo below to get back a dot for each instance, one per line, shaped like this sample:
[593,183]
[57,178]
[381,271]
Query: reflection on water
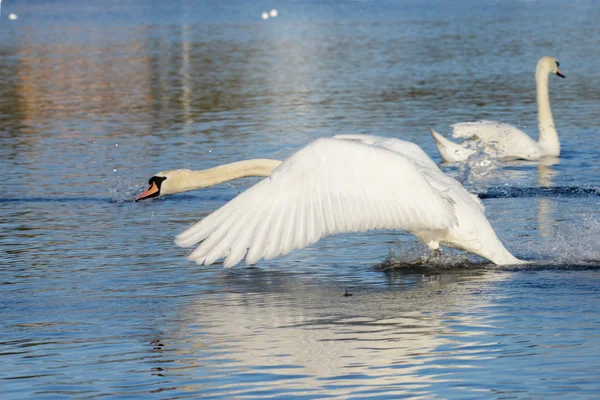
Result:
[546,208]
[294,337]
[321,341]
[97,301]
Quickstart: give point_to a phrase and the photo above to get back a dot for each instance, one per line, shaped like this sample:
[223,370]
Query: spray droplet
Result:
[13,16]
[273,13]
[265,15]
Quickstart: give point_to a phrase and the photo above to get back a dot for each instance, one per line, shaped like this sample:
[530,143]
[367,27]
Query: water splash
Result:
[572,245]
[480,167]
[576,243]
[123,191]
[415,254]
[500,192]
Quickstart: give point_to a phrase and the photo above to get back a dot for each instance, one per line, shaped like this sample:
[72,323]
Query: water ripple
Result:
[97,301]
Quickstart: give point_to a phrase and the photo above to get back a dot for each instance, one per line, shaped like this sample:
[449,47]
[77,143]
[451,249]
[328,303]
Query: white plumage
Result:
[350,183]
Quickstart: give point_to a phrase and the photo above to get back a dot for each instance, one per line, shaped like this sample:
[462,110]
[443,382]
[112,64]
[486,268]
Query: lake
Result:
[98,302]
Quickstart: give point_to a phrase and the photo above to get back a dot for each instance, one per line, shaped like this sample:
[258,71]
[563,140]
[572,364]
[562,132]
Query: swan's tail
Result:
[505,258]
[450,151]
[486,245]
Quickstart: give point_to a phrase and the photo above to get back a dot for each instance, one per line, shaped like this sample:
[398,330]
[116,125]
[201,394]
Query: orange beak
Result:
[152,191]
[559,73]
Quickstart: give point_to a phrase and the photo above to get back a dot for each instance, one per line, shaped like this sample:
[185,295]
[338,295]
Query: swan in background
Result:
[506,141]
[183,180]
[349,183]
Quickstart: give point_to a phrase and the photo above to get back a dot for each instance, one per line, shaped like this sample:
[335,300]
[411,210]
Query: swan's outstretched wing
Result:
[328,187]
[408,149]
[434,175]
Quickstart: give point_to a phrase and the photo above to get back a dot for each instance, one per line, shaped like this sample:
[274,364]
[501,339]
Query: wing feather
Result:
[260,243]
[328,187]
[249,230]
[436,178]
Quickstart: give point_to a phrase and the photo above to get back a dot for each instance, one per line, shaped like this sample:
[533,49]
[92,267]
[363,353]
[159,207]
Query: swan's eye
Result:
[158,180]
[557,64]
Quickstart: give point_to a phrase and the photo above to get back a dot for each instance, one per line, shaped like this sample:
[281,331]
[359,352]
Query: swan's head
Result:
[166,182]
[549,65]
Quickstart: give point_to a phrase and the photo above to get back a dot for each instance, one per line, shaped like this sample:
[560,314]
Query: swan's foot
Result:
[434,256]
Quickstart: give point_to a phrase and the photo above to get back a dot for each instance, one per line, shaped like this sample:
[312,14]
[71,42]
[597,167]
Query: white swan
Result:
[350,183]
[183,180]
[506,141]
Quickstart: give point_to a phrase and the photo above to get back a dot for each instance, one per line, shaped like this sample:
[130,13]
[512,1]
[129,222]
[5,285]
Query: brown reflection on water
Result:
[82,77]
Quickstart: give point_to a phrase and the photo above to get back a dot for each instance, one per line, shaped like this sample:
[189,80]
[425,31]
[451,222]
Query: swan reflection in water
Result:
[307,335]
[546,208]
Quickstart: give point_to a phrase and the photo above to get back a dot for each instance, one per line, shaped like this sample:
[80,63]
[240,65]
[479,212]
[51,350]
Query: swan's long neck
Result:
[228,172]
[548,139]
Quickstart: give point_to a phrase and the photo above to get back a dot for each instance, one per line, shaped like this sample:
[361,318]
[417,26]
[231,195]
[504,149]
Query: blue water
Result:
[97,301]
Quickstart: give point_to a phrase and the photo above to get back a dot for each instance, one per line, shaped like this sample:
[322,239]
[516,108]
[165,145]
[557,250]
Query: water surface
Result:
[96,300]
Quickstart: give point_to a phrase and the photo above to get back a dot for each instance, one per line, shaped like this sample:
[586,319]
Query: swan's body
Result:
[350,183]
[506,141]
[183,180]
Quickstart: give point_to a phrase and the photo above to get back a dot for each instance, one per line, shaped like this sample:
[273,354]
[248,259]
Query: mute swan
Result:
[348,183]
[506,141]
[183,180]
